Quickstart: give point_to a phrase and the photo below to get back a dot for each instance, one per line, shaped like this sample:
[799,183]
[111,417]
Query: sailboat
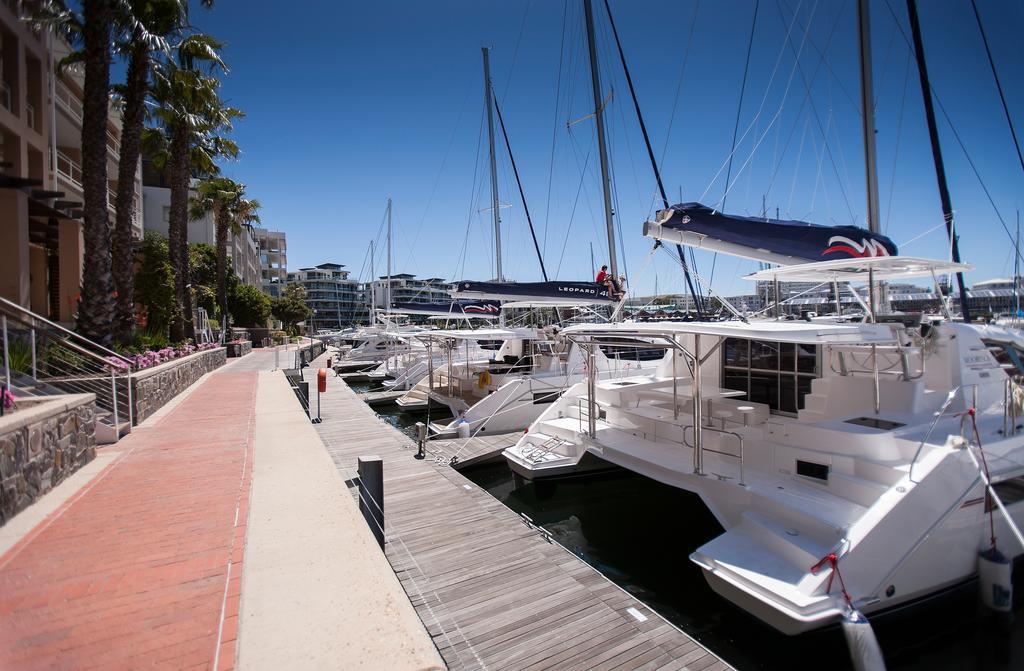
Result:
[862,465]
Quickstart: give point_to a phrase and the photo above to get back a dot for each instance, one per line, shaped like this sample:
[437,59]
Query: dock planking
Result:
[491,590]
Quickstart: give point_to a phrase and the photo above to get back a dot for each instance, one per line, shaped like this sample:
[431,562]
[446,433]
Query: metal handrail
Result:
[22,313]
[736,435]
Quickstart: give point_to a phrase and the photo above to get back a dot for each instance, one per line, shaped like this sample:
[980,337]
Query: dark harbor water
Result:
[393,415]
[640,533]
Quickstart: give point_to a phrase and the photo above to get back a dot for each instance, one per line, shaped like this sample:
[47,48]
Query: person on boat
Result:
[606,279]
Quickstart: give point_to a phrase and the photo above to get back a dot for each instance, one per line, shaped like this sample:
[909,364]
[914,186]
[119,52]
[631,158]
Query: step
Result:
[815,402]
[810,416]
[786,538]
[741,557]
[859,490]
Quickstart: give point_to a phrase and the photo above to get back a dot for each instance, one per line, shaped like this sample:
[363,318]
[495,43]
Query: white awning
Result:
[479,334]
[775,331]
[856,270]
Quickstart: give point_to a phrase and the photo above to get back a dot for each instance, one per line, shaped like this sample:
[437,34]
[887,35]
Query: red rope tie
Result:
[989,503]
[832,560]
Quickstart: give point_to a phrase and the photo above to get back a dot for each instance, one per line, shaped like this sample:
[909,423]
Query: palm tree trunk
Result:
[221,217]
[131,130]
[96,303]
[178,162]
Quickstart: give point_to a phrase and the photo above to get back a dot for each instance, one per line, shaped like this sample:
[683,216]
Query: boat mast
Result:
[373,294]
[933,135]
[877,293]
[595,81]
[494,169]
[1016,272]
[387,292]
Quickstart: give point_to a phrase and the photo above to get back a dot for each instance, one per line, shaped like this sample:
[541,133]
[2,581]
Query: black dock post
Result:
[371,495]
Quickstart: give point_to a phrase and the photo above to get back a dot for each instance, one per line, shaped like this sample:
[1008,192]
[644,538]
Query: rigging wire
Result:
[679,84]
[896,151]
[959,140]
[650,152]
[554,126]
[472,199]
[760,109]
[440,172]
[999,86]
[515,171]
[515,52]
[736,124]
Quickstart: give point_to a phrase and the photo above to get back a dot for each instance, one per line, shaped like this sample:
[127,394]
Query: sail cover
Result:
[469,308]
[555,293]
[779,241]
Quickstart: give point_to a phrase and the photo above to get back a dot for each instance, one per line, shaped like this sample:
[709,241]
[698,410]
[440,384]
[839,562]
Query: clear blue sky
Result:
[351,102]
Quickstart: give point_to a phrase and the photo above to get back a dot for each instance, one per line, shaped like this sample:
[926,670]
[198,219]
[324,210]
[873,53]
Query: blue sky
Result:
[351,102]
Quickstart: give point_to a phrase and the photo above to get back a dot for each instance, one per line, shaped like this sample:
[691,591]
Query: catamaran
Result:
[855,449]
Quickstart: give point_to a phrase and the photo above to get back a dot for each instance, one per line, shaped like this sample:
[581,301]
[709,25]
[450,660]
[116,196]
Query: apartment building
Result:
[273,247]
[337,301]
[405,288]
[243,249]
[41,247]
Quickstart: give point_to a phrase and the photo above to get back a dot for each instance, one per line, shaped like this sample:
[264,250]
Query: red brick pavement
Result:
[142,568]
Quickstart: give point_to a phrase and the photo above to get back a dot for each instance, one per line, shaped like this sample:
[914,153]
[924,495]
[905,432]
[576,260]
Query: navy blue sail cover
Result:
[798,239]
[472,308]
[583,292]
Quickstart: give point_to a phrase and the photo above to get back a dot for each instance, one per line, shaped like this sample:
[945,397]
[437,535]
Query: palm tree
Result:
[145,34]
[225,198]
[92,33]
[191,115]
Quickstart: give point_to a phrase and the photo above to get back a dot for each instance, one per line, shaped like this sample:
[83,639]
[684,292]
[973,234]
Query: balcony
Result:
[5,96]
[69,169]
[68,101]
[30,117]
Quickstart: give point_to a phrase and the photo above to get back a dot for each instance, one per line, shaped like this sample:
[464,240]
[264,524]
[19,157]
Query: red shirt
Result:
[601,277]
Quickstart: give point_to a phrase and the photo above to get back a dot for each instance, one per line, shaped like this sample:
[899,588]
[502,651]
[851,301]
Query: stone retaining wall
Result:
[154,387]
[237,349]
[41,444]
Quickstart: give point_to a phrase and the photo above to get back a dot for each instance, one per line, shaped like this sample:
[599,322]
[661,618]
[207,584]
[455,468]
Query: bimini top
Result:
[857,270]
[775,331]
[466,308]
[478,334]
[551,293]
[768,240]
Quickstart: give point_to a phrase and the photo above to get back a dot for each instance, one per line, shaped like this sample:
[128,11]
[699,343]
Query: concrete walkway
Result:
[146,563]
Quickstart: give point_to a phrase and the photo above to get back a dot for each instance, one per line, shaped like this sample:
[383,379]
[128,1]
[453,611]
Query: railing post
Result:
[32,339]
[113,400]
[592,391]
[371,495]
[698,420]
[7,359]
[131,410]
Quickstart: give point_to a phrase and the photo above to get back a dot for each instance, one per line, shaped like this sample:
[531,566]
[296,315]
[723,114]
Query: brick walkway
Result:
[142,568]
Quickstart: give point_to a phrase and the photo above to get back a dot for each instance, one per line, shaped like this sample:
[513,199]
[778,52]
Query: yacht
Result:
[808,439]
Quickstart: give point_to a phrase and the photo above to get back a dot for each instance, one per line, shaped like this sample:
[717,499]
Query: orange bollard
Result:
[321,380]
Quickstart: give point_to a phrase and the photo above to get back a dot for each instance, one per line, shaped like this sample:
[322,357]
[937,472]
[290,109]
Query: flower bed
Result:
[152,358]
[154,387]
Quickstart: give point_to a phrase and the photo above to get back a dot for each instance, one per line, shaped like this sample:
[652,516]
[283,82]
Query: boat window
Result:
[630,349]
[542,397]
[776,374]
[490,344]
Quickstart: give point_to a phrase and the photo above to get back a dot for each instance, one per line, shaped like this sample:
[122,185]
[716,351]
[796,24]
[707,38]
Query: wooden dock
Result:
[470,451]
[492,590]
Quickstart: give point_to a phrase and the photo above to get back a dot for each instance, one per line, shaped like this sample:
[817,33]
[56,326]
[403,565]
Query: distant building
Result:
[273,247]
[336,300]
[242,249]
[405,288]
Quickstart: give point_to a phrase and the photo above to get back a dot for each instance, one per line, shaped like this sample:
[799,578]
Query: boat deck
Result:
[381,398]
[492,590]
[469,451]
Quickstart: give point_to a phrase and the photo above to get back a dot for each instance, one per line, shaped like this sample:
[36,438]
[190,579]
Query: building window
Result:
[776,374]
